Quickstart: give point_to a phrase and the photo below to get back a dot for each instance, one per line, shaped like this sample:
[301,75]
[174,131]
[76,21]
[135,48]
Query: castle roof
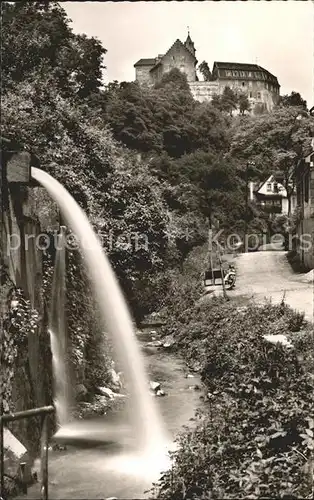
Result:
[177,43]
[146,62]
[189,39]
[257,72]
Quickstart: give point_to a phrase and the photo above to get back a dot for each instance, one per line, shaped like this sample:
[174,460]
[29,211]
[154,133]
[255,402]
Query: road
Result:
[269,274]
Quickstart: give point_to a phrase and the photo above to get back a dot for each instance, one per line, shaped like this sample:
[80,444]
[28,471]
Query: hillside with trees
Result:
[153,163]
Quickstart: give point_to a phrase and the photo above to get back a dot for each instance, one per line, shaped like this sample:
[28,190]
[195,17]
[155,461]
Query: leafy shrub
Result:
[255,434]
[18,321]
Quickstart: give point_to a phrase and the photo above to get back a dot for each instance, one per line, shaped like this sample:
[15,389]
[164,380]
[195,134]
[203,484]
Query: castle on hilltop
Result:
[260,86]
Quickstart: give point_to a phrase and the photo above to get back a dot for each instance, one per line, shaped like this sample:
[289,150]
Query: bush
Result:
[255,435]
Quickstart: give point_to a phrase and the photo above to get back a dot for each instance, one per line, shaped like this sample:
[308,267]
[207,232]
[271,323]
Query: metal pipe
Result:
[44,410]
[35,412]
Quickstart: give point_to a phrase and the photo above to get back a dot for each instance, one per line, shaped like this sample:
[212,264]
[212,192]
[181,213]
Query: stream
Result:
[89,471]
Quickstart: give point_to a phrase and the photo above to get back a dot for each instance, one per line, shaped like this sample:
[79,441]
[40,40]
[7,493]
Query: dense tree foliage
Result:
[37,40]
[165,118]
[204,69]
[294,99]
[56,121]
[276,142]
[244,103]
[226,102]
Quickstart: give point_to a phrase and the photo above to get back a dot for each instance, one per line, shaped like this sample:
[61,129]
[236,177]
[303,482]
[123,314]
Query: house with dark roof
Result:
[271,196]
[259,85]
[253,80]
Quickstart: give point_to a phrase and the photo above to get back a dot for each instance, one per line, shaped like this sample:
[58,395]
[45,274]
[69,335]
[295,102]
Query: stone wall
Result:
[22,262]
[204,91]
[306,252]
[257,93]
[305,183]
[143,75]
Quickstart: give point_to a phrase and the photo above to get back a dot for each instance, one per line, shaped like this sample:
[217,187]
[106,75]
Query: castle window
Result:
[258,95]
[243,84]
[250,94]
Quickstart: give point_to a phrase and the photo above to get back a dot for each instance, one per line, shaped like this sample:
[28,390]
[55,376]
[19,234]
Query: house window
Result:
[268,187]
[228,73]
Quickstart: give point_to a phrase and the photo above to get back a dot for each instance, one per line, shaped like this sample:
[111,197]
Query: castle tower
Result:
[189,44]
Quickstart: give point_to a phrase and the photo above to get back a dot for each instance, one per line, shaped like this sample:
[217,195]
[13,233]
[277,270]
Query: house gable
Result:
[178,56]
[272,188]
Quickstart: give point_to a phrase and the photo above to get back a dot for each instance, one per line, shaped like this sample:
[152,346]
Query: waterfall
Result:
[57,331]
[115,316]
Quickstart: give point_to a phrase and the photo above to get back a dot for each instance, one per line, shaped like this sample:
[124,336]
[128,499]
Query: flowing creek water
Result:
[88,471]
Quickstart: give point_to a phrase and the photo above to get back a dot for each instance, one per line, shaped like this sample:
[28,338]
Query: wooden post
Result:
[246,206]
[44,458]
[210,248]
[221,271]
[22,477]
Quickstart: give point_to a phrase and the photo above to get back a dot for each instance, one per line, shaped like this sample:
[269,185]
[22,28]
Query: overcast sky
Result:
[278,35]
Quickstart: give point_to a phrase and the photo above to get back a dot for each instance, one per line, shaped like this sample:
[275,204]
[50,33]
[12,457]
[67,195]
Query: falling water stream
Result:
[150,435]
[57,331]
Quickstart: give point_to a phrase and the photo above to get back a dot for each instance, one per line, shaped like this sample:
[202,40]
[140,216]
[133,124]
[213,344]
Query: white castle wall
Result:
[204,91]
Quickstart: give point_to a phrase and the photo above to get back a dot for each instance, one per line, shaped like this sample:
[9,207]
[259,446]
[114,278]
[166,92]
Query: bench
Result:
[213,277]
